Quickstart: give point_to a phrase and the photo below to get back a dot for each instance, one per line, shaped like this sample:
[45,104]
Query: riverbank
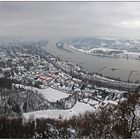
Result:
[96,63]
[107,52]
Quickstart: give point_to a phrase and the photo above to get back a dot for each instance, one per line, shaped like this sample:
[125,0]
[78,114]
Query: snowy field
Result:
[65,114]
[52,95]
[101,49]
[49,94]
[122,54]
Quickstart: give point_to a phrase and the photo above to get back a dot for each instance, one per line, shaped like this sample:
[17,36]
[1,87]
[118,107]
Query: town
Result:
[38,75]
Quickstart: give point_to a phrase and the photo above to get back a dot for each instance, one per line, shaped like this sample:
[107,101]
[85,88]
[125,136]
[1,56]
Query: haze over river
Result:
[102,65]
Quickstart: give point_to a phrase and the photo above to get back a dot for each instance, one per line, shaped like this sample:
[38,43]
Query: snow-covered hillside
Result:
[65,114]
[106,47]
[52,95]
[101,51]
[49,94]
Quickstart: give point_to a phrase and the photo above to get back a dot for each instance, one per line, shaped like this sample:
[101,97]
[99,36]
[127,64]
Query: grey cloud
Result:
[70,19]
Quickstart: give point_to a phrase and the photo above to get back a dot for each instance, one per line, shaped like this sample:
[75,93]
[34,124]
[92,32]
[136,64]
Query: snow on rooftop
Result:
[65,114]
[110,102]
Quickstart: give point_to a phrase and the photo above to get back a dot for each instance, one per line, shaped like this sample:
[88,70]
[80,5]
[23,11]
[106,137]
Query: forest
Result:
[112,121]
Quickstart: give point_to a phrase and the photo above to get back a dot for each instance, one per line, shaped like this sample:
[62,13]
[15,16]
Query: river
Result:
[99,64]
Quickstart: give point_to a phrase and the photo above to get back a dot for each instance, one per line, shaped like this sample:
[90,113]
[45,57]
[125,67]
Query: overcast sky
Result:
[43,19]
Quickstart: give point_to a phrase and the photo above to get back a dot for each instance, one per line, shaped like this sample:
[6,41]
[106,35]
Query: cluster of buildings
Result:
[32,66]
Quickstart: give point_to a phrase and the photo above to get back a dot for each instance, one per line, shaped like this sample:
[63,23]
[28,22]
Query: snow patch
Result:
[49,94]
[52,95]
[65,114]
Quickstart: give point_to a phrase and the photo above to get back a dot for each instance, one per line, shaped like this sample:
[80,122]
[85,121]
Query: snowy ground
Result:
[124,53]
[79,108]
[65,114]
[52,95]
[137,111]
[102,49]
[49,94]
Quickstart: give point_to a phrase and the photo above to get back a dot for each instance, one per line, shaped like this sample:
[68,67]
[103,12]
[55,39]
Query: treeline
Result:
[112,121]
[5,83]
